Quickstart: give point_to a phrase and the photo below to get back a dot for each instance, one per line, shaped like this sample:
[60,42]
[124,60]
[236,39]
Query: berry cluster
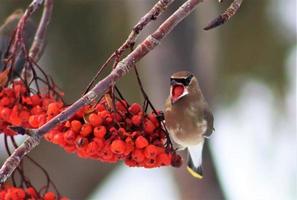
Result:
[14,193]
[19,107]
[109,135]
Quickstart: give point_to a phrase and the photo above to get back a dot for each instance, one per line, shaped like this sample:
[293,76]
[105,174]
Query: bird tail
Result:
[195,160]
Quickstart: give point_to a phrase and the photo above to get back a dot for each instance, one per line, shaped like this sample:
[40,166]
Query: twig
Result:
[153,14]
[17,44]
[99,89]
[38,44]
[221,19]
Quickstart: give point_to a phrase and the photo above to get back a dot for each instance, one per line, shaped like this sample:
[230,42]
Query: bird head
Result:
[181,85]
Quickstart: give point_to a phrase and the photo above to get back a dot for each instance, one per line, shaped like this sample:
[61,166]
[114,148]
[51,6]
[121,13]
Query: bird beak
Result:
[175,97]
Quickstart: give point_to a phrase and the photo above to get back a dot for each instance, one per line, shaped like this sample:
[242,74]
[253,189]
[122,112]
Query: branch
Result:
[38,44]
[121,69]
[153,14]
[18,38]
[221,19]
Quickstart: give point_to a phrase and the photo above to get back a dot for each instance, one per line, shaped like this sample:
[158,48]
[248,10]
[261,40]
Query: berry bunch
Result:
[15,193]
[122,133]
[19,107]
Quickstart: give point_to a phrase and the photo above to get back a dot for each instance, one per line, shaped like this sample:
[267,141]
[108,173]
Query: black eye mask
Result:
[183,81]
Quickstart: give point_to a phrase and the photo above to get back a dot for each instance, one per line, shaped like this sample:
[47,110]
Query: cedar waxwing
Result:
[6,32]
[188,118]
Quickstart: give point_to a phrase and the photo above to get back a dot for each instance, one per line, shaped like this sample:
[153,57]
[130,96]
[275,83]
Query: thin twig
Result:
[101,87]
[153,14]
[38,44]
[17,43]
[221,19]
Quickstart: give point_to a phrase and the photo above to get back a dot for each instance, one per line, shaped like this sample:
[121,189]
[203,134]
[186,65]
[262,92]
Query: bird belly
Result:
[185,126]
[185,137]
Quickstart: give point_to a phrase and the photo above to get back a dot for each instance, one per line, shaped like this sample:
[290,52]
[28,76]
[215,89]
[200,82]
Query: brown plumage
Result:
[188,117]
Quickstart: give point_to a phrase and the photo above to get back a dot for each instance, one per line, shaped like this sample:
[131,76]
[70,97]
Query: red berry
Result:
[164,159]
[58,139]
[37,110]
[150,163]
[138,155]
[36,100]
[129,148]
[153,118]
[31,192]
[9,196]
[94,119]
[81,142]
[49,196]
[53,108]
[4,101]
[151,151]
[86,130]
[100,131]
[136,120]
[75,125]
[106,154]
[176,160]
[130,163]
[141,142]
[24,115]
[33,121]
[109,119]
[15,119]
[41,120]
[121,106]
[69,136]
[117,117]
[118,147]
[19,193]
[148,126]
[93,148]
[135,108]
[5,113]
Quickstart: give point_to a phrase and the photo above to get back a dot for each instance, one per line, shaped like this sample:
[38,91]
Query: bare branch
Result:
[101,87]
[38,44]
[221,19]
[153,14]
[18,38]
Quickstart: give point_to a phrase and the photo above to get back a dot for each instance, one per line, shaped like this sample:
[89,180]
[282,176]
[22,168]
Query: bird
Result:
[6,32]
[188,119]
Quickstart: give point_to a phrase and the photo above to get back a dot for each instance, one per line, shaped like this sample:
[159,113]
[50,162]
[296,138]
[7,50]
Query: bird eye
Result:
[183,81]
[187,81]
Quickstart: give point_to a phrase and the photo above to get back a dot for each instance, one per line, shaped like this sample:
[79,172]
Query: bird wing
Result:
[209,118]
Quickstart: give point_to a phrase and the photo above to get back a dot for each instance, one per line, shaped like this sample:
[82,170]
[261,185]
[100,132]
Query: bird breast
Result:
[185,126]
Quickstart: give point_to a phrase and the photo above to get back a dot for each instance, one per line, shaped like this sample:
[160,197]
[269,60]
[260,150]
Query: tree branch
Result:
[153,14]
[101,87]
[221,19]
[38,44]
[18,38]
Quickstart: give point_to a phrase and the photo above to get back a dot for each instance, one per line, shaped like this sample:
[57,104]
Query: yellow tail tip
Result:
[194,174]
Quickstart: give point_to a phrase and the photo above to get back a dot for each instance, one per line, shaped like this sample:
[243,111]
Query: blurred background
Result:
[247,69]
